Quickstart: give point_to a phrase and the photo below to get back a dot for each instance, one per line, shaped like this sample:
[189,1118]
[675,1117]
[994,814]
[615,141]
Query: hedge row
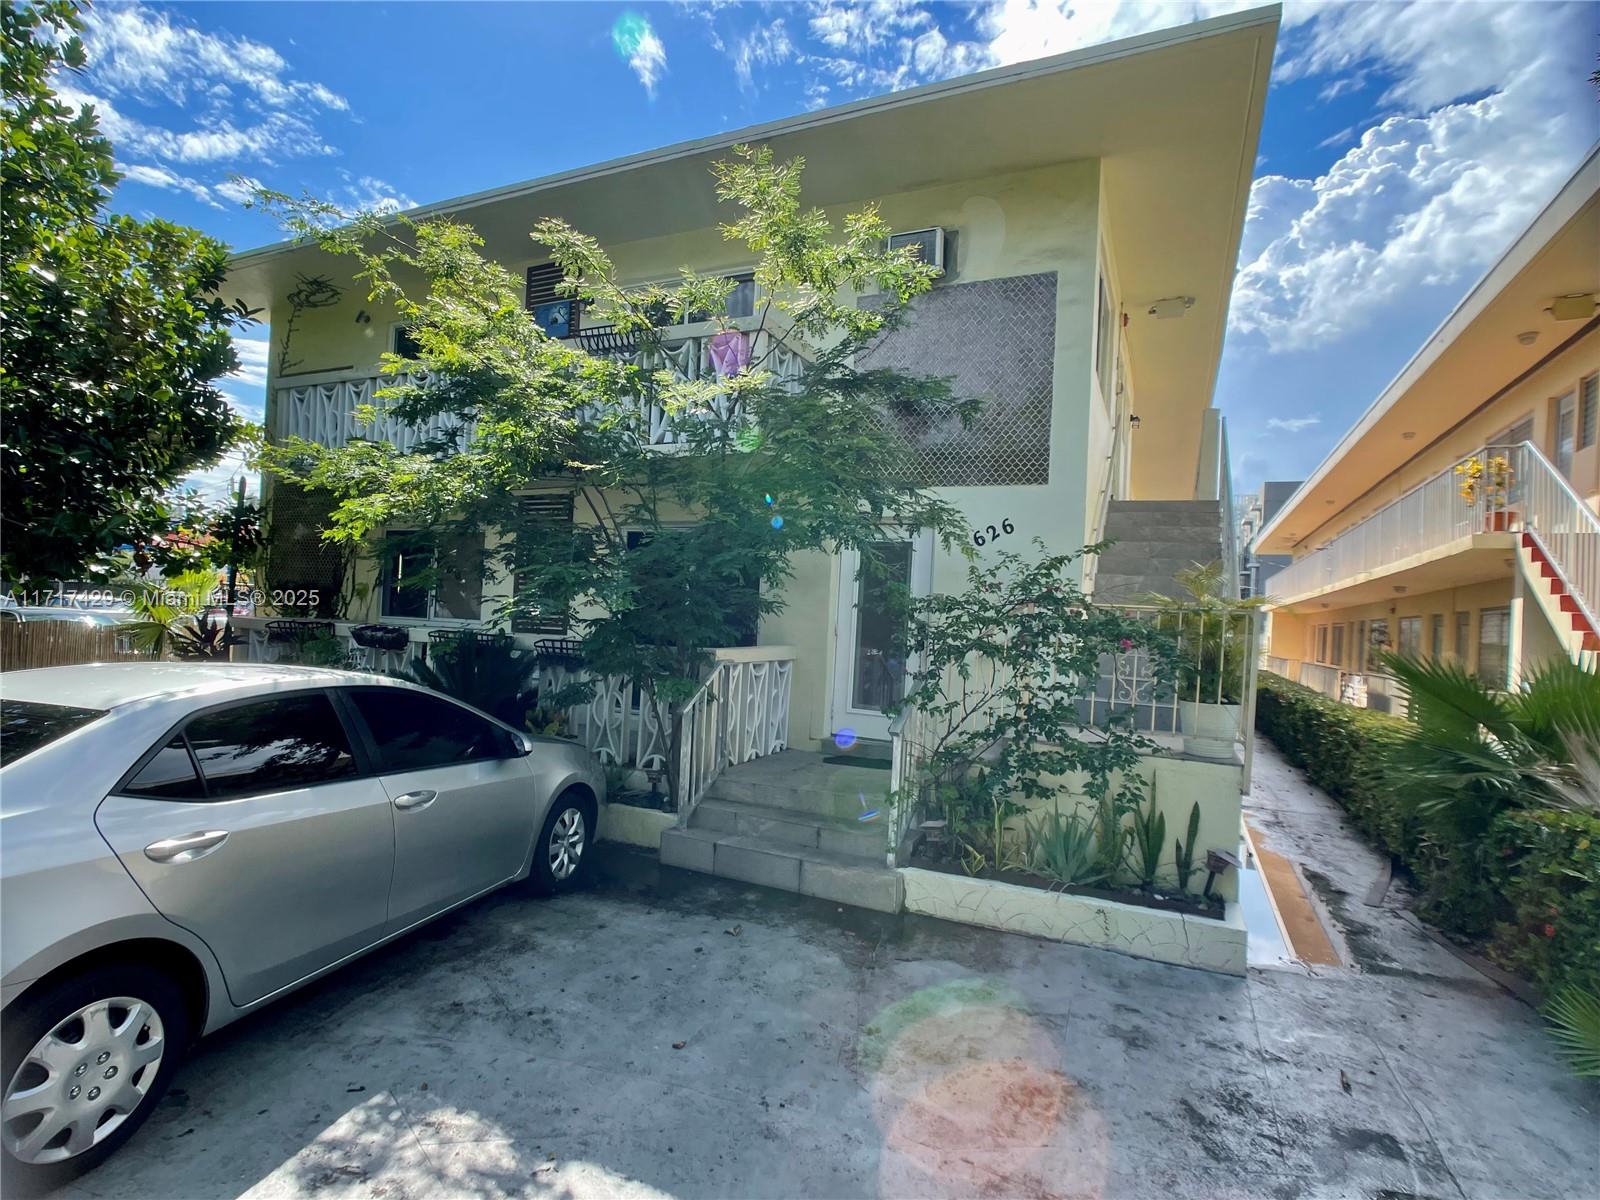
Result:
[1531,895]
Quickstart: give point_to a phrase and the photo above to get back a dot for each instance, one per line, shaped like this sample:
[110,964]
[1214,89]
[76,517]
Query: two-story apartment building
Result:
[1087,211]
[1457,518]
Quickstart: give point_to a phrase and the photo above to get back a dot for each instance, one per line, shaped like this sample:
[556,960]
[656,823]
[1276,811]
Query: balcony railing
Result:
[323,409]
[1430,516]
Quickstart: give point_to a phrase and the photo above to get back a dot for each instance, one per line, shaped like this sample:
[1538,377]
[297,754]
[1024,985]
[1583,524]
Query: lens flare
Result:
[777,522]
[845,738]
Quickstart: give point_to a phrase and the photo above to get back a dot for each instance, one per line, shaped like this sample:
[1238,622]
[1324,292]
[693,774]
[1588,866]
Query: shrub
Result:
[1546,865]
[1529,893]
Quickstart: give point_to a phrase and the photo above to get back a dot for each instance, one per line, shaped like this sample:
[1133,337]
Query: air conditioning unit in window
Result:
[929,244]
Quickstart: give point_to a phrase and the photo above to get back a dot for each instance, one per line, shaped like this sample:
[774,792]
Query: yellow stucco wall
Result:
[1048,219]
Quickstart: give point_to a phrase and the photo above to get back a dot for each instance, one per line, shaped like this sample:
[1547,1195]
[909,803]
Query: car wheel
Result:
[85,1062]
[561,855]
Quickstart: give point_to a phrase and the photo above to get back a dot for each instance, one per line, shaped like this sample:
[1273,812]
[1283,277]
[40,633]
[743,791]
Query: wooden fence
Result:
[62,643]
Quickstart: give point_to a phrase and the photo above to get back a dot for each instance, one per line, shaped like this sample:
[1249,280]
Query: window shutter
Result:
[1588,410]
[555,507]
[542,281]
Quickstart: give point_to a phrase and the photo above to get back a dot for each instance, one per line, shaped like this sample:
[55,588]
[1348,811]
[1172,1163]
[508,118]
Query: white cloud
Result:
[241,189]
[640,48]
[161,177]
[139,51]
[253,354]
[367,193]
[1429,196]
[1293,424]
[766,46]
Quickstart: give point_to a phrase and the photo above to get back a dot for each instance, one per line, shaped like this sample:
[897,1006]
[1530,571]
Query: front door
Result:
[870,672]
[252,828]
[463,797]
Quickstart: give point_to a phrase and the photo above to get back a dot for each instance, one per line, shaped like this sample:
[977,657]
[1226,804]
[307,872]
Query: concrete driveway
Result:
[671,1034]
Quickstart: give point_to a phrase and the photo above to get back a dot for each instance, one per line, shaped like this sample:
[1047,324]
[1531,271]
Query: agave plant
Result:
[1064,848]
[1574,1016]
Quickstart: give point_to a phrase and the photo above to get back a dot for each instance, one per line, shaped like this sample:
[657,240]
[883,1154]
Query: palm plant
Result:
[177,616]
[1211,628]
[496,677]
[1574,1016]
[1470,753]
[1476,751]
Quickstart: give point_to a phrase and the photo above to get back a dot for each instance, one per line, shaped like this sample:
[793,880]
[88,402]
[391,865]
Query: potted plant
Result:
[1212,635]
[1488,479]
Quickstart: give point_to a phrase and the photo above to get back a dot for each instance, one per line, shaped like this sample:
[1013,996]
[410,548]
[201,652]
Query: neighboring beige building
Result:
[1394,540]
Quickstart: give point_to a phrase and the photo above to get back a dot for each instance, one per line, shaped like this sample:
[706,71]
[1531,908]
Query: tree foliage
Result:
[675,549]
[1002,672]
[113,327]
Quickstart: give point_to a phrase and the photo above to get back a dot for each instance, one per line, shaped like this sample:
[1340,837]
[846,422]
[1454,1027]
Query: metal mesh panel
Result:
[995,340]
[298,557]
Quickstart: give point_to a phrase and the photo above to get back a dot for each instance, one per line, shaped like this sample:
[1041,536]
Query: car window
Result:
[26,725]
[414,730]
[169,775]
[270,746]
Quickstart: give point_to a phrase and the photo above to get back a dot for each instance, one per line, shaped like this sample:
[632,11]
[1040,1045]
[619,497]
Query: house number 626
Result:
[979,539]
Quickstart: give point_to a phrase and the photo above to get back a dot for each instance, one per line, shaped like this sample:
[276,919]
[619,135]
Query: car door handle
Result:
[187,848]
[418,799]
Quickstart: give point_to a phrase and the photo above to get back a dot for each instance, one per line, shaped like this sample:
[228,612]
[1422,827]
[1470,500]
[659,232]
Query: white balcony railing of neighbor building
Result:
[1517,490]
[324,408]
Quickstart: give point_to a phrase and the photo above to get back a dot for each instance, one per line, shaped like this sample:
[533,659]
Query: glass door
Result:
[870,671]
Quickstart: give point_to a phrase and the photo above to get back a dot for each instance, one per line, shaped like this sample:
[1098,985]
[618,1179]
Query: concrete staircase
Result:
[792,821]
[1155,539]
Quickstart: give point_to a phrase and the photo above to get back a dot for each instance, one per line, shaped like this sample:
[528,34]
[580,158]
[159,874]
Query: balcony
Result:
[1431,522]
[323,408]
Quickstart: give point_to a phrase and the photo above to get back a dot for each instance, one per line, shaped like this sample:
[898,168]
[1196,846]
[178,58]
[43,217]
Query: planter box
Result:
[634,826]
[1167,937]
[1209,730]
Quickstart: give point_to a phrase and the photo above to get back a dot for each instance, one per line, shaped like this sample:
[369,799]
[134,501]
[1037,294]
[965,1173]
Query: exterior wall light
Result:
[1171,307]
[1133,421]
[1527,337]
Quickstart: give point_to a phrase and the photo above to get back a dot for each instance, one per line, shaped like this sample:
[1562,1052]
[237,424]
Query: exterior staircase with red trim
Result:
[1567,612]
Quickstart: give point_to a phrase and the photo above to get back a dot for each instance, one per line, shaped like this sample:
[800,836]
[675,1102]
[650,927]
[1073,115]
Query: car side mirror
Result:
[521,745]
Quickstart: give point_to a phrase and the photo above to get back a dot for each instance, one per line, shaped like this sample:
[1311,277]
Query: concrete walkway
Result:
[668,1033]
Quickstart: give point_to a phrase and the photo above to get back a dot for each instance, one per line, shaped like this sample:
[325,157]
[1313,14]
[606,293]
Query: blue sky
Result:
[1405,144]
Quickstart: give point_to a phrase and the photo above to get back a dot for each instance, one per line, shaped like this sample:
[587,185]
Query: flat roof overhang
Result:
[1173,116]
[1476,558]
[1470,359]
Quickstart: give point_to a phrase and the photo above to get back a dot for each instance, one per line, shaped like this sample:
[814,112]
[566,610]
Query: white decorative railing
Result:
[324,410]
[1429,516]
[747,692]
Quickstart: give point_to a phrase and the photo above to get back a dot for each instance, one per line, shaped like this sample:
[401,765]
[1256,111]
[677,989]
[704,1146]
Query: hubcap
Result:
[46,1115]
[566,843]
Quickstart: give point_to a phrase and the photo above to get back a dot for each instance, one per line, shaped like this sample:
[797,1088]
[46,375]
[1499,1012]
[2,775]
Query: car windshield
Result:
[25,725]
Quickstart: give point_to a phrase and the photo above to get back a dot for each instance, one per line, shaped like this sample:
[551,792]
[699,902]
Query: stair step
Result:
[865,838]
[770,862]
[842,796]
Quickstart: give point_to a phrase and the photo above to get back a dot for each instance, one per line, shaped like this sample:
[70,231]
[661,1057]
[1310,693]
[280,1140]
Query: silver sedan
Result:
[181,844]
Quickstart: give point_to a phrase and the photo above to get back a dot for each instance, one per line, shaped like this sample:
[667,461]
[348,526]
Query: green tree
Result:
[113,327]
[677,549]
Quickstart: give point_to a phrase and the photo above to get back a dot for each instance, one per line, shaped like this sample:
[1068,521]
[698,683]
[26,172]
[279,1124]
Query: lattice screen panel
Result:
[995,339]
[298,557]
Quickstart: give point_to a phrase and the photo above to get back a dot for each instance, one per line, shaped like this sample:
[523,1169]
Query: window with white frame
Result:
[1494,646]
[1588,410]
